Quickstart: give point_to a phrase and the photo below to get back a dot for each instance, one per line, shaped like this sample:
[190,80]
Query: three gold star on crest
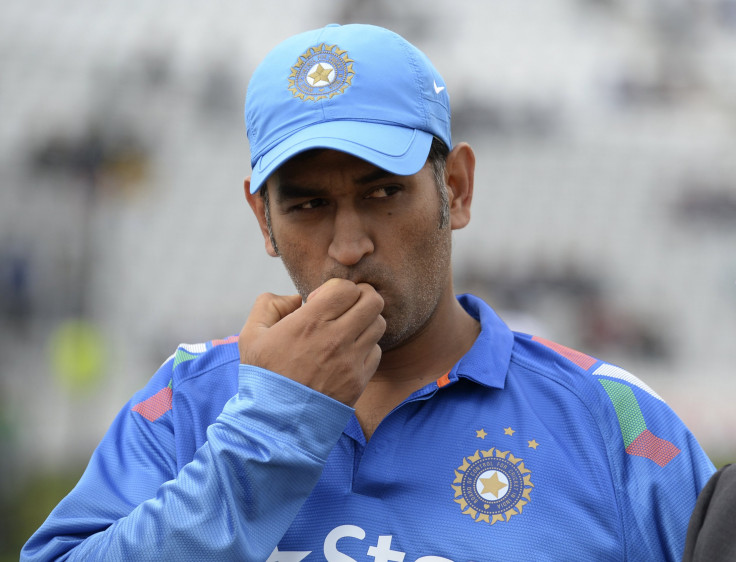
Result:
[482,434]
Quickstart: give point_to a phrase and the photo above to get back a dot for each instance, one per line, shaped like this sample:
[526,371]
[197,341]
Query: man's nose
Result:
[350,238]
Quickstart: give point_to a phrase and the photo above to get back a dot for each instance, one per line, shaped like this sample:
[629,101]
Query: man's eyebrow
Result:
[285,191]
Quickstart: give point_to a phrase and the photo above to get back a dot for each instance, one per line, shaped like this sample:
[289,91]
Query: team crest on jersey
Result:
[492,486]
[321,72]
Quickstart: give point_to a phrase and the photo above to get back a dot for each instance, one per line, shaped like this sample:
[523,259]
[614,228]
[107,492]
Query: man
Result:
[375,416]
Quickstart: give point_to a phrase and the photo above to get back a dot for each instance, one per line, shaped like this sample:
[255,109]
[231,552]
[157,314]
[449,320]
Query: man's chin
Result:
[392,340]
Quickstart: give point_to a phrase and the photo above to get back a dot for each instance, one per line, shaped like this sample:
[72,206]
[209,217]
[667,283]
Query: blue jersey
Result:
[525,450]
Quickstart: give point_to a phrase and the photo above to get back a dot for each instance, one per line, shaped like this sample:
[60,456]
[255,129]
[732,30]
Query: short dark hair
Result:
[437,158]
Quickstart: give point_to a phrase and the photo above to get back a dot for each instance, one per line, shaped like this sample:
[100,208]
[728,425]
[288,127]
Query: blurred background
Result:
[604,214]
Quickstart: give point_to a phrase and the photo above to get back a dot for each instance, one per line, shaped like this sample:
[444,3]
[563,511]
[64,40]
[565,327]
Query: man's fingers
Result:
[372,332]
[373,359]
[333,282]
[362,314]
[332,299]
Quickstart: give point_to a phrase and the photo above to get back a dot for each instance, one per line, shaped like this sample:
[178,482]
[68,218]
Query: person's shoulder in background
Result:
[711,534]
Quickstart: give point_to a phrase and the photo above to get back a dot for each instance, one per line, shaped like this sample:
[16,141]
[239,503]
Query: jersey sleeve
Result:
[234,500]
[657,465]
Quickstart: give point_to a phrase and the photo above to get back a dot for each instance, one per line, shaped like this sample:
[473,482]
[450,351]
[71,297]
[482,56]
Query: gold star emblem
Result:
[492,485]
[509,431]
[321,74]
[533,444]
[481,434]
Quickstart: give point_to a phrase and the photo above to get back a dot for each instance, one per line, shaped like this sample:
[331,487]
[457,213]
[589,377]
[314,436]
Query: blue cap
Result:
[356,88]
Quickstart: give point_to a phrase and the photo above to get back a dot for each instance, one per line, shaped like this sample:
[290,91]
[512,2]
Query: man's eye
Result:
[311,204]
[385,191]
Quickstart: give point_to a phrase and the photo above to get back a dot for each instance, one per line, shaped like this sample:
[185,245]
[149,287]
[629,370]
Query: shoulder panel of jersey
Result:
[628,398]
[187,362]
[656,464]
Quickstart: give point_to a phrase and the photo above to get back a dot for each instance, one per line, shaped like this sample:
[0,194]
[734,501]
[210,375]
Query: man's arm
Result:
[262,457]
[233,501]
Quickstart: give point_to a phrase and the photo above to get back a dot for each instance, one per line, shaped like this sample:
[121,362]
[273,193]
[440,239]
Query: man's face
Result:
[335,215]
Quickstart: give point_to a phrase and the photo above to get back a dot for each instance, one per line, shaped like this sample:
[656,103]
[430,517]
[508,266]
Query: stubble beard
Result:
[403,323]
[405,318]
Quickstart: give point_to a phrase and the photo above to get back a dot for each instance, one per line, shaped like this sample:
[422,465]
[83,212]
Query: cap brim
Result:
[399,150]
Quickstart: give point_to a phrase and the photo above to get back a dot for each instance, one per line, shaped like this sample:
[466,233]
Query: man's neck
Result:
[448,336]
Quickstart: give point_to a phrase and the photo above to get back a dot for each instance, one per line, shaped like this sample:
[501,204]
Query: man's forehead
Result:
[316,166]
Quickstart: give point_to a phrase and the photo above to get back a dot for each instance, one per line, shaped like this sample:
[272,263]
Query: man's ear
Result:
[258,206]
[459,178]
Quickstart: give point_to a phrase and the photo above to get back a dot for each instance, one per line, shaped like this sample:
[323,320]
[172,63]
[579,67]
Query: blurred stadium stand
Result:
[604,214]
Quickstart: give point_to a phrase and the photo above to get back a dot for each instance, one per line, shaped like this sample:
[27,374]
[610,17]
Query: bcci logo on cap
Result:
[492,486]
[321,72]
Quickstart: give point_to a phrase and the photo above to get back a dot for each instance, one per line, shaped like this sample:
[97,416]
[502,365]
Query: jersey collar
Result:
[487,362]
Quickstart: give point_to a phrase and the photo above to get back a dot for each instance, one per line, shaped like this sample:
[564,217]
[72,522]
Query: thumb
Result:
[270,309]
[267,311]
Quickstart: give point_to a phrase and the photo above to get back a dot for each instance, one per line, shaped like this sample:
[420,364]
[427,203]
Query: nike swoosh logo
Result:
[437,89]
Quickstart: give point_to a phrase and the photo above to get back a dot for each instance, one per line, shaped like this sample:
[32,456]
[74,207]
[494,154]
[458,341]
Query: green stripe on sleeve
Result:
[182,356]
[630,418]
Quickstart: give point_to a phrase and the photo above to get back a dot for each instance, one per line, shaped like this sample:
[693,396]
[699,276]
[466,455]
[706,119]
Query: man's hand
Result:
[329,344]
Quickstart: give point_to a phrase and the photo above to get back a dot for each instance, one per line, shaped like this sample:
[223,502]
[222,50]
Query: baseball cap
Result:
[357,88]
